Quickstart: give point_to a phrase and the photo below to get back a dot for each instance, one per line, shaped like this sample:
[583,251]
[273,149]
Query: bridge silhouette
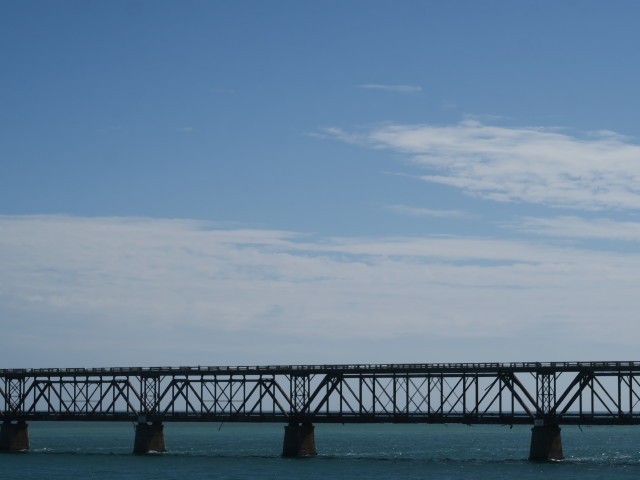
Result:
[544,395]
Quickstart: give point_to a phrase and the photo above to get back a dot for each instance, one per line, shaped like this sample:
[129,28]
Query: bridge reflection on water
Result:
[545,395]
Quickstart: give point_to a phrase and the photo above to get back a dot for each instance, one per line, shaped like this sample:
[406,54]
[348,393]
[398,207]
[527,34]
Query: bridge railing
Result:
[294,369]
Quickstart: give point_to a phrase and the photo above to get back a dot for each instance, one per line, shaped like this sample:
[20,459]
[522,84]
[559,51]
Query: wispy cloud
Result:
[393,88]
[576,227]
[545,166]
[425,212]
[171,291]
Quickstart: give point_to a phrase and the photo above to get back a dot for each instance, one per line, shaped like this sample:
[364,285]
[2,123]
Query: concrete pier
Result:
[546,443]
[299,440]
[14,436]
[149,438]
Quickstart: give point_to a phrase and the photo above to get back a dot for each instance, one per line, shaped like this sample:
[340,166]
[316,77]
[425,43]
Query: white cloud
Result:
[393,88]
[425,212]
[146,291]
[576,227]
[538,165]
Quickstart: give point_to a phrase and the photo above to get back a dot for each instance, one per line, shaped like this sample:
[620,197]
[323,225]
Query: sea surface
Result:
[71,451]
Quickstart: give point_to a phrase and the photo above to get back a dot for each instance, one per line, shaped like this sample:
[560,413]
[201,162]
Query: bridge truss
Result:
[486,393]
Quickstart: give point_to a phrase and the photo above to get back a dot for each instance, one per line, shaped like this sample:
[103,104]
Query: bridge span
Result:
[542,394]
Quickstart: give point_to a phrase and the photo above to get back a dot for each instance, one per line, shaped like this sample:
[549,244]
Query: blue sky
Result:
[260,182]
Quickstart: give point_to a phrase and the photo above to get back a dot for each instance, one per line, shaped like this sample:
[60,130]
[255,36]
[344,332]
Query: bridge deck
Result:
[614,366]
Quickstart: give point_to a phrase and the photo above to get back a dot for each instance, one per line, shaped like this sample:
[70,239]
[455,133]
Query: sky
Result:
[318,182]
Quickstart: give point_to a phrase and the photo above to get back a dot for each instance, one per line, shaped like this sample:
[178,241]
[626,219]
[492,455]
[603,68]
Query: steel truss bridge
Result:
[584,393]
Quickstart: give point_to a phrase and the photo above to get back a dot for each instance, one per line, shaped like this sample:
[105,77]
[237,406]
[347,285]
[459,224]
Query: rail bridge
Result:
[544,395]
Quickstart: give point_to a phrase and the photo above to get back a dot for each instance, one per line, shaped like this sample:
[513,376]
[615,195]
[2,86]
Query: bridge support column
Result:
[14,436]
[546,443]
[149,438]
[299,440]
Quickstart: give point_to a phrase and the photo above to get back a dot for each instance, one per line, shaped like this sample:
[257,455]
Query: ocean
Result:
[102,451]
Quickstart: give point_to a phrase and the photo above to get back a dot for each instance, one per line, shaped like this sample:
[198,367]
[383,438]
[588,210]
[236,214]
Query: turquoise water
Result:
[242,451]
